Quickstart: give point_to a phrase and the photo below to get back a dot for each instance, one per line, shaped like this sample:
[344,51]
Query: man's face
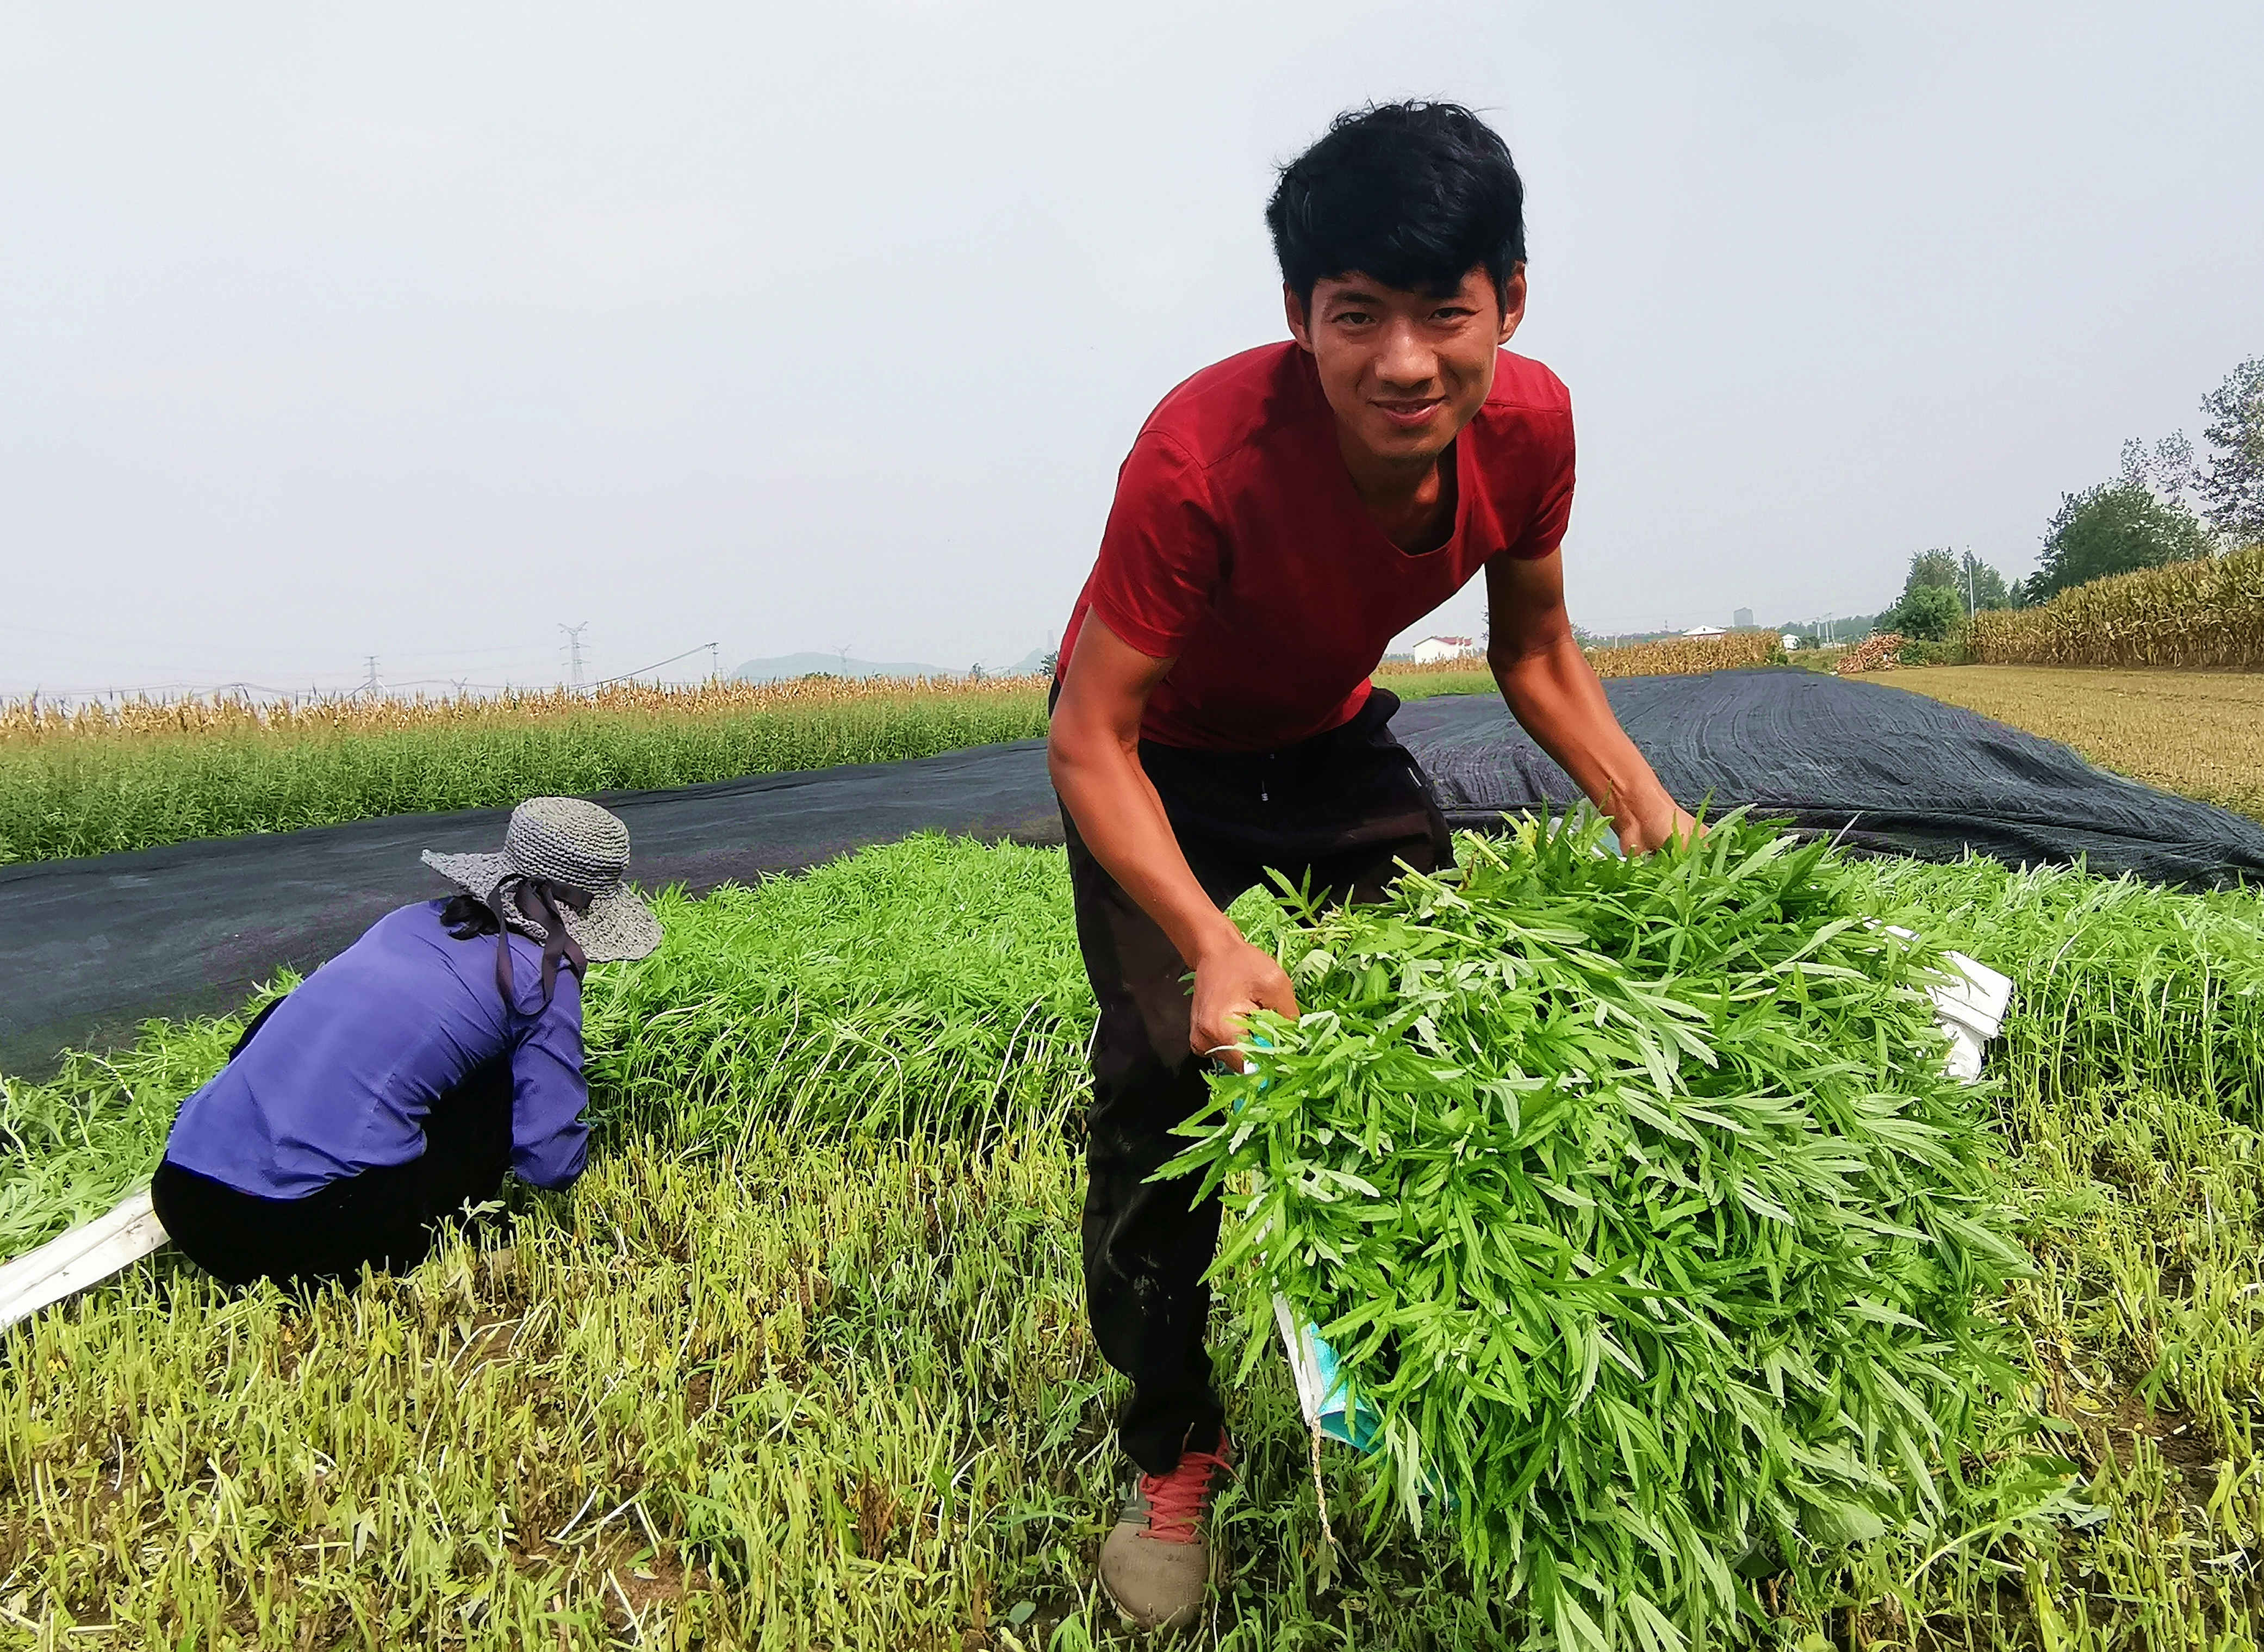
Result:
[1406,371]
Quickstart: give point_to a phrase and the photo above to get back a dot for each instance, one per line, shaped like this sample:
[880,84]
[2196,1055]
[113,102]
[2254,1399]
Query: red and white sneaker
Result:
[1156,1564]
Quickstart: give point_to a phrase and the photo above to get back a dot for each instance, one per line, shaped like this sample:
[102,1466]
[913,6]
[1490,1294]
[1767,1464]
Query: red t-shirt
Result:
[1238,547]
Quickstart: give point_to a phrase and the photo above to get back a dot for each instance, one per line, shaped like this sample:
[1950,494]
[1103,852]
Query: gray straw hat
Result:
[572,842]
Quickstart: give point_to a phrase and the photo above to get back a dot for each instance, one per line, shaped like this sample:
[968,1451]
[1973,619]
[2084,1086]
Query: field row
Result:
[801,1361]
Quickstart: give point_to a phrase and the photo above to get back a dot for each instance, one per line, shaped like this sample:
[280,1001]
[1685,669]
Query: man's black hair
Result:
[1413,194]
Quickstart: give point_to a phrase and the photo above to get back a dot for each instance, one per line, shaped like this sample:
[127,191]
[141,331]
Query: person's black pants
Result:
[385,1217]
[1343,810]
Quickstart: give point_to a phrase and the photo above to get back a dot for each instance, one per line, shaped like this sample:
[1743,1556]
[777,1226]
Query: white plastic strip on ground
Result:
[1970,1007]
[87,1254]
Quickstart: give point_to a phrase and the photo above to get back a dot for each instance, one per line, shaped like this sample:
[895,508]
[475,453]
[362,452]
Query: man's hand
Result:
[1231,980]
[1668,821]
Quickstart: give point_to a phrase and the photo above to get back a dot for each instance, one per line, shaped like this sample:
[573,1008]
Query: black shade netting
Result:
[1888,770]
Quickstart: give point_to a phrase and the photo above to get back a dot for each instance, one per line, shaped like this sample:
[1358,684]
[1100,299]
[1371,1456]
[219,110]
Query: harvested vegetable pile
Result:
[1637,1202]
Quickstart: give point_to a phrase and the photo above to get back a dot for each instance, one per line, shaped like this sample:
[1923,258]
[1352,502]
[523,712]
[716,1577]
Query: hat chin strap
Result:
[532,897]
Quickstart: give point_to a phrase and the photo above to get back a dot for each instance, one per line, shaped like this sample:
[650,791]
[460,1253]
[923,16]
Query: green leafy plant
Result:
[761,1375]
[930,986]
[2122,985]
[1634,1197]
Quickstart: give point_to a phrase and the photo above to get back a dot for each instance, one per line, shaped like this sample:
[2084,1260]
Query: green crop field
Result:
[96,780]
[94,783]
[801,1361]
[169,774]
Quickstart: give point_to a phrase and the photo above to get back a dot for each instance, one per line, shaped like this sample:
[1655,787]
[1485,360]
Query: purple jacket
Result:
[340,1077]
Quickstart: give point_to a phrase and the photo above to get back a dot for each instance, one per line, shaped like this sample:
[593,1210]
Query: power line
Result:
[655,666]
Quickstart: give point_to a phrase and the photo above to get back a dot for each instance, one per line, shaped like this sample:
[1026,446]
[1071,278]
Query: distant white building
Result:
[1707,630]
[1431,650]
[1791,642]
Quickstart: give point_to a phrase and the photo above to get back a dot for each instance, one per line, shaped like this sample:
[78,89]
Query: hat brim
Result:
[617,929]
[476,874]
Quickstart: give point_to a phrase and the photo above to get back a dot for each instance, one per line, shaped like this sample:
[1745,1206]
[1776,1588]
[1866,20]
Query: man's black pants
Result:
[385,1217]
[1343,810]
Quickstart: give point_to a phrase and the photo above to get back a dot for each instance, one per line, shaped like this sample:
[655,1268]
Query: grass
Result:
[2200,733]
[844,1398]
[2121,983]
[830,1385]
[69,1148]
[787,1398]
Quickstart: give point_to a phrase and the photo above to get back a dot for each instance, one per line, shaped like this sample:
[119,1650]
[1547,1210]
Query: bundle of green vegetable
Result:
[1638,1206]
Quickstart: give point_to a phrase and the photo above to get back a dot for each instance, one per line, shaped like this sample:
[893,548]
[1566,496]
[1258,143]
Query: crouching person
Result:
[404,1077]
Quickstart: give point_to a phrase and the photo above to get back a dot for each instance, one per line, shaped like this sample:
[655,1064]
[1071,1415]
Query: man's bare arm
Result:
[1553,690]
[1092,752]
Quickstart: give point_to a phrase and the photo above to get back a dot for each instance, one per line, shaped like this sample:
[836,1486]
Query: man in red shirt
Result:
[1281,516]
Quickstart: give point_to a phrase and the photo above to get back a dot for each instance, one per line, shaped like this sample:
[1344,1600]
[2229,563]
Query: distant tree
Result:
[1962,578]
[2114,527]
[1929,613]
[1932,568]
[2167,468]
[2232,492]
[1052,659]
[1846,628]
[1982,585]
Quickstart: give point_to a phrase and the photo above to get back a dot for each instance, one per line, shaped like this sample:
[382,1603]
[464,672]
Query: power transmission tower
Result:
[574,647]
[714,664]
[370,686]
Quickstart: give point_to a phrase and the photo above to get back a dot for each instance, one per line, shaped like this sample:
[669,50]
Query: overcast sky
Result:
[417,331]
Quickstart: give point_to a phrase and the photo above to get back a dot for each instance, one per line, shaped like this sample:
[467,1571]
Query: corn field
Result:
[1685,656]
[2205,614]
[1673,657]
[30,719]
[99,779]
